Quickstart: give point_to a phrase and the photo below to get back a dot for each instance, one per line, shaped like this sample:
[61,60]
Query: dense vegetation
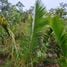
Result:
[32,38]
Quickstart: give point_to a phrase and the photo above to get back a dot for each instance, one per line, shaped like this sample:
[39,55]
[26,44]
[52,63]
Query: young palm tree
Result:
[37,26]
[55,23]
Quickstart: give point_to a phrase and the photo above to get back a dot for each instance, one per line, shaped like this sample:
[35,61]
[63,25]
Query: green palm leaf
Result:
[39,20]
[59,30]
[37,25]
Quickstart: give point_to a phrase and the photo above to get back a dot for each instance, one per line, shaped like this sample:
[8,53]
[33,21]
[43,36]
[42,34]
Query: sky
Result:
[48,3]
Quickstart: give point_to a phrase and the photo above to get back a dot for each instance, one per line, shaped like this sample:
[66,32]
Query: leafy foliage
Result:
[33,38]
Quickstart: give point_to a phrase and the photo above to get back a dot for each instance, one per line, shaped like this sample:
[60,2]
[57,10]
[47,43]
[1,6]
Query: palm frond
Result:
[40,12]
[38,23]
[59,30]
